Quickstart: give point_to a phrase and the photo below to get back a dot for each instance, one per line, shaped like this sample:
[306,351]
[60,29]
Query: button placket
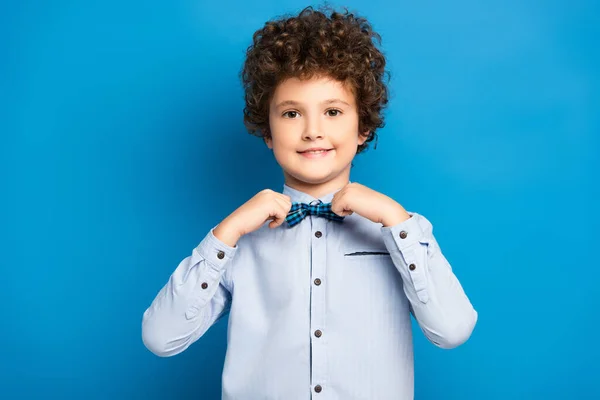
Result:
[317,303]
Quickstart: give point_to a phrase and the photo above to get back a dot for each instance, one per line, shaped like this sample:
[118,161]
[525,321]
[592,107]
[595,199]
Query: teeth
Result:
[316,152]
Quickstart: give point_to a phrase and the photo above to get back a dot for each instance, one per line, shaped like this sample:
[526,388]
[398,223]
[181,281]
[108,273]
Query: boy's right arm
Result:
[194,298]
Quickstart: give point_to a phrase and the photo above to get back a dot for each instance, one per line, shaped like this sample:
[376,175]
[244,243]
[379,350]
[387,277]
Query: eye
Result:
[335,112]
[290,114]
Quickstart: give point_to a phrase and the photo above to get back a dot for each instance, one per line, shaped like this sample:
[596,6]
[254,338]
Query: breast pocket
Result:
[369,273]
[361,252]
[369,257]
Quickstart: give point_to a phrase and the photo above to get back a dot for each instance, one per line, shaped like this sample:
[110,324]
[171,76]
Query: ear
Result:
[268,141]
[363,137]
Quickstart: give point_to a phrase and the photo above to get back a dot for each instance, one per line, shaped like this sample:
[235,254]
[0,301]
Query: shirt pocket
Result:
[371,270]
[366,255]
[359,252]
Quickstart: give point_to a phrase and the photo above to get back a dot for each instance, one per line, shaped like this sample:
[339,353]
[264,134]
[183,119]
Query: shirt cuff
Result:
[406,238]
[216,253]
[403,235]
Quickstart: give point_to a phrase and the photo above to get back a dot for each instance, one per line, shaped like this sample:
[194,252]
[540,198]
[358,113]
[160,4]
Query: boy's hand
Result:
[265,205]
[357,198]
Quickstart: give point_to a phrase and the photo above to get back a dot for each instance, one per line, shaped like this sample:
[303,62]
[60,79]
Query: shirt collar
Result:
[300,197]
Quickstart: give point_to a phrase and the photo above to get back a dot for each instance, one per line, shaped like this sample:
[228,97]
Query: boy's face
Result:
[319,112]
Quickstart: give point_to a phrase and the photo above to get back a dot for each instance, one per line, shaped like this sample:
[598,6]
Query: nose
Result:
[312,129]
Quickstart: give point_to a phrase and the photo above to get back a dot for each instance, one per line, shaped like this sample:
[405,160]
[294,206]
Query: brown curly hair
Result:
[310,44]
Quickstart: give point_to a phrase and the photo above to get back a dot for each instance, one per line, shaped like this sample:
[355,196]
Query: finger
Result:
[287,205]
[336,206]
[286,198]
[341,210]
[282,207]
[277,218]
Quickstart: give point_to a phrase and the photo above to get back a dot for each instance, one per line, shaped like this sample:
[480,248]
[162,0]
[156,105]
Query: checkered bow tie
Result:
[301,210]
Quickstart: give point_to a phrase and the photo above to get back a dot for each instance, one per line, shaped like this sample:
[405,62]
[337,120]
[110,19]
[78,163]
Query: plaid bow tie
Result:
[301,210]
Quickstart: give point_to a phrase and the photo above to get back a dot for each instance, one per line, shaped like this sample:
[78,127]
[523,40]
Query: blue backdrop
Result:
[122,143]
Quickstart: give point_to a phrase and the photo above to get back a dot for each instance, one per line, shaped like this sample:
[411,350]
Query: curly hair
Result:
[310,44]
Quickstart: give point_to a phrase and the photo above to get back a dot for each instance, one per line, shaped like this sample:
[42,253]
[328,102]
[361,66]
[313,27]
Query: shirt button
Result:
[403,235]
[318,333]
[317,281]
[412,267]
[221,254]
[318,234]
[204,285]
[318,388]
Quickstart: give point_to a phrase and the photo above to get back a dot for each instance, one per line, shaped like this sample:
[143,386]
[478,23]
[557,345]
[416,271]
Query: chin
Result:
[313,179]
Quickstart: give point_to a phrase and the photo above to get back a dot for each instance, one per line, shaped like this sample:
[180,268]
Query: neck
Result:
[317,189]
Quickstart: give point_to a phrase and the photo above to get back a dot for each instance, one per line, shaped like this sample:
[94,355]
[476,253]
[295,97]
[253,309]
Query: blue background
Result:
[122,143]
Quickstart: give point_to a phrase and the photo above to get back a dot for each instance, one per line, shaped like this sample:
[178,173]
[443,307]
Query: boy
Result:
[319,281]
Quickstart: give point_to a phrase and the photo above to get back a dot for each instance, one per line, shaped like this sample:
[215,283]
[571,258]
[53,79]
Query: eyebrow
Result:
[295,103]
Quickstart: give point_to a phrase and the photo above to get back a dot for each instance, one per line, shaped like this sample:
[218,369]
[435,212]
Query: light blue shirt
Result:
[321,310]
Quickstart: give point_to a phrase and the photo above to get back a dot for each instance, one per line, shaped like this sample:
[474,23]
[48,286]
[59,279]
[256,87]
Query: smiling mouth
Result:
[315,155]
[314,152]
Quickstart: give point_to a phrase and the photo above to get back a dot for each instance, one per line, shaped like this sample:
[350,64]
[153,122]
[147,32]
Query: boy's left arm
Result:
[437,299]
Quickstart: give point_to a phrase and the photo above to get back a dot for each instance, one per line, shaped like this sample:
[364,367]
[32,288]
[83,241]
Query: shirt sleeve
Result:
[195,297]
[437,299]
